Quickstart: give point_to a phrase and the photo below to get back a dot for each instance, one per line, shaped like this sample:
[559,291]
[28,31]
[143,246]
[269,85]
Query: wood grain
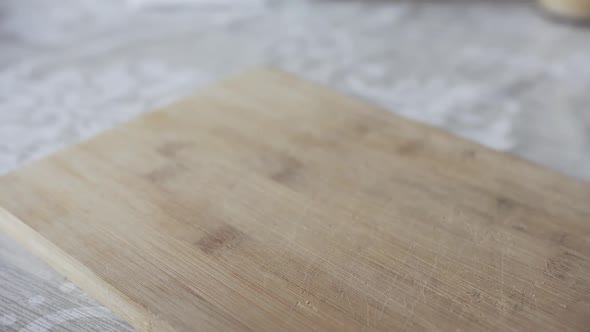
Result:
[268,203]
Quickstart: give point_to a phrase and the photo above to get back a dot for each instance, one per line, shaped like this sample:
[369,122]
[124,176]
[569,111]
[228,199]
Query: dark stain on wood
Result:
[503,203]
[173,148]
[288,169]
[469,154]
[362,129]
[519,227]
[222,237]
[164,173]
[411,147]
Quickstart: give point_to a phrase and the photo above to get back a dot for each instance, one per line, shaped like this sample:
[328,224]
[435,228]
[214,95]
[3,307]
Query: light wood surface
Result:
[268,203]
[574,9]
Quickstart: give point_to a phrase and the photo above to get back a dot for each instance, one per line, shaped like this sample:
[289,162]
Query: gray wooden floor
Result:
[493,71]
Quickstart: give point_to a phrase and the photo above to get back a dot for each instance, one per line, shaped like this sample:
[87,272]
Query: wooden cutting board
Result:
[268,203]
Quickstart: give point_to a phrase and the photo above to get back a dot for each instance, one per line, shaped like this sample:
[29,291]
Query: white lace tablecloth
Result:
[495,72]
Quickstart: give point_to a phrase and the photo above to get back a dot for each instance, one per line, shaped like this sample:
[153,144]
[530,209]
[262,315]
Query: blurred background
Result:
[498,72]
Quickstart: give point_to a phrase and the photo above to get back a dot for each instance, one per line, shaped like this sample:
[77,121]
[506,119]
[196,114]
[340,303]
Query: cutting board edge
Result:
[132,312]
